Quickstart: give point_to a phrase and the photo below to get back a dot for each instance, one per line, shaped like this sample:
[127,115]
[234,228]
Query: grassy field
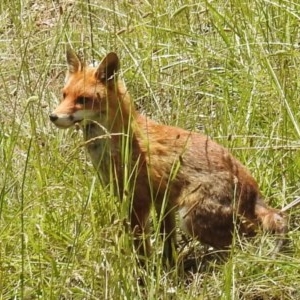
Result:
[230,69]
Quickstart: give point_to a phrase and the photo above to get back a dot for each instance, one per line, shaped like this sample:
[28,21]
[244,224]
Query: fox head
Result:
[90,94]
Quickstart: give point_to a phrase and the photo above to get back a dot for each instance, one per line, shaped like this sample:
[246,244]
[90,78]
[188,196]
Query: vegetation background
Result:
[227,68]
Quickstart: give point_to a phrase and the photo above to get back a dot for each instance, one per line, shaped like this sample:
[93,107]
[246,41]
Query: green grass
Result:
[227,68]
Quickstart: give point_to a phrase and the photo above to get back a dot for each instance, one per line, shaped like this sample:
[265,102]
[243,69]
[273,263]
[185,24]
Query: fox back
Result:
[172,168]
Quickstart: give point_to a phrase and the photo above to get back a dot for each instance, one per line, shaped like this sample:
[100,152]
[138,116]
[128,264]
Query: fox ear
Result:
[75,64]
[108,67]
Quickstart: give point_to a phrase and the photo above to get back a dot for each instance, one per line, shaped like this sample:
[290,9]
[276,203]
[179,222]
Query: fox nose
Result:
[53,117]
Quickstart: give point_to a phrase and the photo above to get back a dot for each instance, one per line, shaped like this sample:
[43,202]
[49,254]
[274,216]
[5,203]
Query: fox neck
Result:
[118,120]
[109,138]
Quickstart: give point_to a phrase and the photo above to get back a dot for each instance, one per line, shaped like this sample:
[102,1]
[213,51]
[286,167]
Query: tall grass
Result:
[226,68]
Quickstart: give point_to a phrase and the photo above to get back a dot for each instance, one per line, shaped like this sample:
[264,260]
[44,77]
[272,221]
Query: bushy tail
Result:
[275,221]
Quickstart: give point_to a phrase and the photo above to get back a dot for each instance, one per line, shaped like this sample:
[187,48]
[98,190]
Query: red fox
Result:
[175,170]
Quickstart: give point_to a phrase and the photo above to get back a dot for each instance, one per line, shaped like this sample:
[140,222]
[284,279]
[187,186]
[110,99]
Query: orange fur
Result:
[172,168]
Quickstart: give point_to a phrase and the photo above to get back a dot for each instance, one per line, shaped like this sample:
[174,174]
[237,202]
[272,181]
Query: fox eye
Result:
[81,100]
[64,95]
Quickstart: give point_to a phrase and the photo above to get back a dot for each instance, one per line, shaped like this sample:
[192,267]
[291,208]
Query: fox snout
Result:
[68,119]
[53,117]
[63,120]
